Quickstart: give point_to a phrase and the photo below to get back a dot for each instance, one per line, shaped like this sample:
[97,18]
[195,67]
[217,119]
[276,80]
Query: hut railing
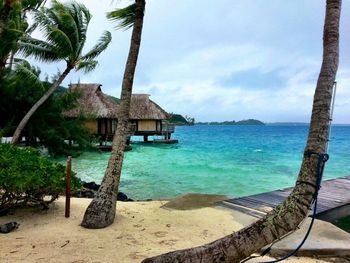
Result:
[168,128]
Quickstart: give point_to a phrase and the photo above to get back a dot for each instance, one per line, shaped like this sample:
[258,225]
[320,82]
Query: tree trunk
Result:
[16,136]
[101,211]
[287,216]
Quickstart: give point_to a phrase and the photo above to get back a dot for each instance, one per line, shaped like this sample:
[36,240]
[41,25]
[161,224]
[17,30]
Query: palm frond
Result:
[102,44]
[82,17]
[31,28]
[61,18]
[124,16]
[25,71]
[56,37]
[31,4]
[41,50]
[21,61]
[87,65]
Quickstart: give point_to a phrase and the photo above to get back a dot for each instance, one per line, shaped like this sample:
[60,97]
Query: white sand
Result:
[141,229]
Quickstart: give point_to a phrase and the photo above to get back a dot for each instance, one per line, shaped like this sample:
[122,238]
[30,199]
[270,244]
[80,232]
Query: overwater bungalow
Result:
[100,112]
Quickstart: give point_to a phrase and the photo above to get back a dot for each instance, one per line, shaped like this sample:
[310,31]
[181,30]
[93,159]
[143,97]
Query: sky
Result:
[224,59]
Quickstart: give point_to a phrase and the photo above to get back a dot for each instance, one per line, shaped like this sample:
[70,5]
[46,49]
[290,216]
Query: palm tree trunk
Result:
[16,136]
[101,211]
[287,216]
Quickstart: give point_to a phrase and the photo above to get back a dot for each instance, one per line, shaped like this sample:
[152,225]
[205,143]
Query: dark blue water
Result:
[229,160]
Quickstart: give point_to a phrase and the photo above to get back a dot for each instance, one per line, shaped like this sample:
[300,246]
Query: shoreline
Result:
[141,229]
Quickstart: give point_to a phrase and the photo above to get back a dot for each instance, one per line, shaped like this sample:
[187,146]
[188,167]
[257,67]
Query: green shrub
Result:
[26,177]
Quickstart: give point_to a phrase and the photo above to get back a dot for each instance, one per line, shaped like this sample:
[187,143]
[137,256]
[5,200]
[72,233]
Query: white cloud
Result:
[189,46]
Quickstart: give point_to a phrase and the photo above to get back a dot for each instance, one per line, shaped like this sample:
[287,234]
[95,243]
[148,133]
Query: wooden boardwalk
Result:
[334,194]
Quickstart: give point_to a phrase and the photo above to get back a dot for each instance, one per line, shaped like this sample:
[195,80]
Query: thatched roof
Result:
[93,103]
[142,108]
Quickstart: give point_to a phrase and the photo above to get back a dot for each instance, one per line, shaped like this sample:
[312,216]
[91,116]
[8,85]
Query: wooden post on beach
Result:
[68,185]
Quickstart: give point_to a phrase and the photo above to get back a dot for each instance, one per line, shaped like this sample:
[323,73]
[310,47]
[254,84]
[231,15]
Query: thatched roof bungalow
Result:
[101,113]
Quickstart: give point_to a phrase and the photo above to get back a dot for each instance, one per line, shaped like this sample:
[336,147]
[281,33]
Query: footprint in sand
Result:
[136,255]
[160,233]
[169,242]
[205,233]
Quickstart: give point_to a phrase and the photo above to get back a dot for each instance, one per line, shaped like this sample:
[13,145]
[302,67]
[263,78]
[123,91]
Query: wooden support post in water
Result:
[68,185]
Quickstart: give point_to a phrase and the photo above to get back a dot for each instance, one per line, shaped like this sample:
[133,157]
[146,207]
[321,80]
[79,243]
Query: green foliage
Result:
[26,177]
[177,118]
[14,28]
[20,89]
[15,23]
[124,16]
[64,27]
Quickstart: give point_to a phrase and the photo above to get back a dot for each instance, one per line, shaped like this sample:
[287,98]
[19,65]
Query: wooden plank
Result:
[242,209]
[333,193]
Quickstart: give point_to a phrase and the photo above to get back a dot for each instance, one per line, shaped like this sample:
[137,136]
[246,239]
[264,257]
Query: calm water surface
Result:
[229,160]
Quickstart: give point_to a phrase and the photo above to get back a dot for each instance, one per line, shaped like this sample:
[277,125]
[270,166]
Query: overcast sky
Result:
[224,59]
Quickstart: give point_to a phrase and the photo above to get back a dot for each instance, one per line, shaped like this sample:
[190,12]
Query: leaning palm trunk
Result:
[17,134]
[101,211]
[287,216]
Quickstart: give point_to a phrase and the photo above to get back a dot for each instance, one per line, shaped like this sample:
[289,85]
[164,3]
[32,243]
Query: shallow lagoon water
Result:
[227,160]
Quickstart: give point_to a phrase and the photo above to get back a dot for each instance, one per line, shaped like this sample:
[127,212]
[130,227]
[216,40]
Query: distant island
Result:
[242,122]
[178,119]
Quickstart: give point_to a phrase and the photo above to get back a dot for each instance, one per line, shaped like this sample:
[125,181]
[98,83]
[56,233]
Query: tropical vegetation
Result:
[65,29]
[47,127]
[27,178]
[178,119]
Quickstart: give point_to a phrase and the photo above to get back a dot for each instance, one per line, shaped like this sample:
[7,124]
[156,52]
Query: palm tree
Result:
[13,25]
[5,10]
[287,216]
[11,28]
[101,211]
[65,29]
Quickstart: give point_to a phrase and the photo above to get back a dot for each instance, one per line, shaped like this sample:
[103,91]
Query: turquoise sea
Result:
[228,160]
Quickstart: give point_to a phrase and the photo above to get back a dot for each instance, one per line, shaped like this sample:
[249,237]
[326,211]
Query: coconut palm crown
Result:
[64,27]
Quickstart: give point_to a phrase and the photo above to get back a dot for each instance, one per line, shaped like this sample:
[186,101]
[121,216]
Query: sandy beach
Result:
[141,229]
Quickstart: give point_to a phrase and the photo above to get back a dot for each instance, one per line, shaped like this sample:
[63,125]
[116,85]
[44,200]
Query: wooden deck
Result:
[333,200]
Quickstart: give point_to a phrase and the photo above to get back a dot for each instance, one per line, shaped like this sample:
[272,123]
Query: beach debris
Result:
[8,227]
[65,244]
